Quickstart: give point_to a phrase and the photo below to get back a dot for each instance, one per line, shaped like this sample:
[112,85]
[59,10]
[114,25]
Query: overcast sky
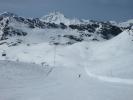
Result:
[119,10]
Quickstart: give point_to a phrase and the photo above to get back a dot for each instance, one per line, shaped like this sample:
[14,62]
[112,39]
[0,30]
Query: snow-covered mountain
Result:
[127,24]
[20,36]
[56,58]
[18,32]
[57,18]
[13,25]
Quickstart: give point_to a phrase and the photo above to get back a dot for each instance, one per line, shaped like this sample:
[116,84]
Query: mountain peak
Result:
[8,14]
[57,18]
[57,14]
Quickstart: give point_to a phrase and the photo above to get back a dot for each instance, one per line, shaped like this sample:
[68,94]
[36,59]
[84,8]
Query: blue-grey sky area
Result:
[118,10]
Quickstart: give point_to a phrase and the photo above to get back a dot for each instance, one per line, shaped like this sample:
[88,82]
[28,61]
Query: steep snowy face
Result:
[57,18]
[9,26]
[5,18]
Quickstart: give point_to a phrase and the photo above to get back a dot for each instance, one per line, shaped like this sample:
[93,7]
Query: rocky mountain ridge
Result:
[13,25]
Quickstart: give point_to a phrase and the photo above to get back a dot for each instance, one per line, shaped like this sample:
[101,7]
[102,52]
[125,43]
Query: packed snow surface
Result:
[21,81]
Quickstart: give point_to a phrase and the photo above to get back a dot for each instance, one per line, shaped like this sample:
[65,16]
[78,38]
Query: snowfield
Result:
[38,70]
[21,81]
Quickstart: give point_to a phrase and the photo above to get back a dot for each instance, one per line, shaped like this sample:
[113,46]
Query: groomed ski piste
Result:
[22,81]
[110,79]
[81,71]
[115,71]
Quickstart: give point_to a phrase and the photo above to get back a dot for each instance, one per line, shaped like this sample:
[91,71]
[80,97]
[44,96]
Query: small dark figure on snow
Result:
[3,53]
[79,75]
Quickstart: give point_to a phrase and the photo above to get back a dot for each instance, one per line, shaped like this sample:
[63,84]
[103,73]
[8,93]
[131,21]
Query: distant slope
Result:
[113,58]
[127,24]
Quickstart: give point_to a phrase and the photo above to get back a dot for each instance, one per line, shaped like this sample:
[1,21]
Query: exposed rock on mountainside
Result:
[13,25]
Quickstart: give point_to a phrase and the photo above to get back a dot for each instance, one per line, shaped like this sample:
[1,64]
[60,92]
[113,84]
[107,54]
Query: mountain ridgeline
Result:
[13,25]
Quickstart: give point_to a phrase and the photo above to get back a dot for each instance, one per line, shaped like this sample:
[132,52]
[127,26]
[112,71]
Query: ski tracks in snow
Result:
[109,79]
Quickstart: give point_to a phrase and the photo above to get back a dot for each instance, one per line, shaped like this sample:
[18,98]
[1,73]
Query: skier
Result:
[79,75]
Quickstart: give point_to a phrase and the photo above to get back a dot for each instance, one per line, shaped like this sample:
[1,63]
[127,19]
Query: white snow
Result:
[115,60]
[105,68]
[21,81]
